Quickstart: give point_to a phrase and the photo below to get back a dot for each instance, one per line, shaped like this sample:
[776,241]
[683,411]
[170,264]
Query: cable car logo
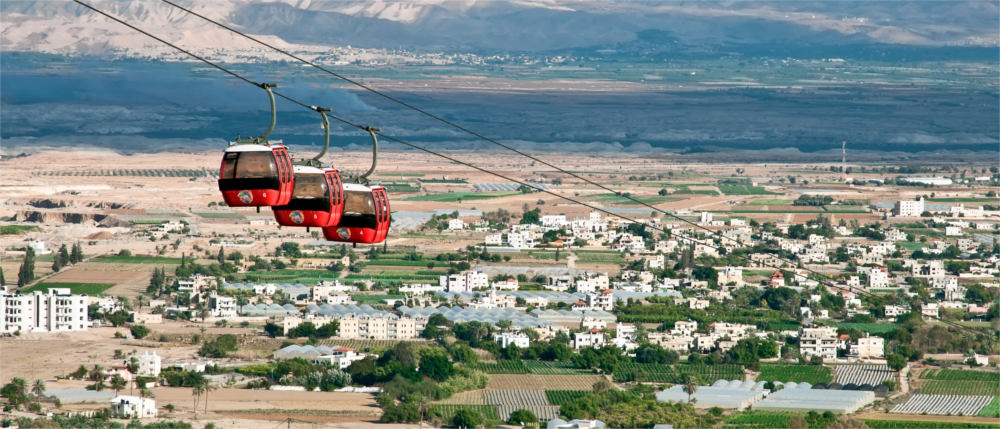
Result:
[344,233]
[296,216]
[245,196]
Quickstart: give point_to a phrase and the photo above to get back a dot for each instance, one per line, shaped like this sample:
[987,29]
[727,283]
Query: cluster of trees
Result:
[63,257]
[158,282]
[309,330]
[411,377]
[633,408]
[812,200]
[220,347]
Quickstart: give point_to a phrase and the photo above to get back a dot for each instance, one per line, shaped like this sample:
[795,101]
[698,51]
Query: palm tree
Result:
[196,391]
[209,386]
[118,383]
[689,386]
[38,388]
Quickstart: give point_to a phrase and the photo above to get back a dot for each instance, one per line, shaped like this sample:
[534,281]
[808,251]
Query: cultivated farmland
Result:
[811,374]
[943,405]
[542,382]
[862,374]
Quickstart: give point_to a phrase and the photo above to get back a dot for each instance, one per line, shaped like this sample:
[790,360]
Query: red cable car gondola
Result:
[256,175]
[317,199]
[366,215]
[256,172]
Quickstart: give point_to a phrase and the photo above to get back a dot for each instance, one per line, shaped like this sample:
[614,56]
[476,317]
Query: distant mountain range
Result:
[485,27]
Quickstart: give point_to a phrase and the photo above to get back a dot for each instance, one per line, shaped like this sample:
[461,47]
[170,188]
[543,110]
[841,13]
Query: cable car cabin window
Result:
[310,193]
[359,210]
[249,170]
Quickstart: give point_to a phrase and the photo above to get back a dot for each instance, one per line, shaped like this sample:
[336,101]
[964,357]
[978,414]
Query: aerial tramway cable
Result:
[373,131]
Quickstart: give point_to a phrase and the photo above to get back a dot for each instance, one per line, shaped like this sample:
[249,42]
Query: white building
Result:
[222,306]
[909,208]
[732,275]
[929,310]
[510,338]
[378,328]
[605,300]
[593,338]
[465,282]
[420,288]
[129,407]
[342,357]
[554,221]
[56,311]
[893,311]
[819,342]
[456,225]
[878,277]
[869,347]
[149,364]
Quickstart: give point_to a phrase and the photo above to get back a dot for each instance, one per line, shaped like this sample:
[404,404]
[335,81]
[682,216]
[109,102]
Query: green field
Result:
[147,221]
[743,189]
[219,215]
[911,424]
[500,367]
[770,202]
[703,374]
[992,409]
[402,175]
[559,397]
[965,387]
[873,328]
[447,411]
[963,200]
[464,196]
[401,187]
[598,257]
[618,199]
[811,374]
[287,276]
[443,180]
[373,298]
[542,367]
[416,235]
[16,229]
[77,288]
[397,263]
[138,259]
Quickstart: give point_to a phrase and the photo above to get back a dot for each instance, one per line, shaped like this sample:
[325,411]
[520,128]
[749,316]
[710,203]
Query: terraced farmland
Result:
[509,400]
[501,367]
[963,387]
[811,374]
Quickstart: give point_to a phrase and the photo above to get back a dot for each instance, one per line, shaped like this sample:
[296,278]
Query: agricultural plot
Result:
[758,420]
[622,200]
[470,397]
[76,288]
[742,189]
[958,374]
[447,411]
[147,172]
[137,259]
[963,387]
[396,263]
[599,257]
[953,405]
[872,328]
[373,299]
[811,374]
[992,409]
[559,397]
[862,374]
[365,344]
[912,424]
[16,229]
[703,374]
[542,382]
[451,197]
[219,215]
[501,367]
[507,401]
[551,367]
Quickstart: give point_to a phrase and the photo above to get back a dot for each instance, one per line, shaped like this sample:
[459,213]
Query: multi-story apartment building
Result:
[222,306]
[820,342]
[55,311]
[378,328]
